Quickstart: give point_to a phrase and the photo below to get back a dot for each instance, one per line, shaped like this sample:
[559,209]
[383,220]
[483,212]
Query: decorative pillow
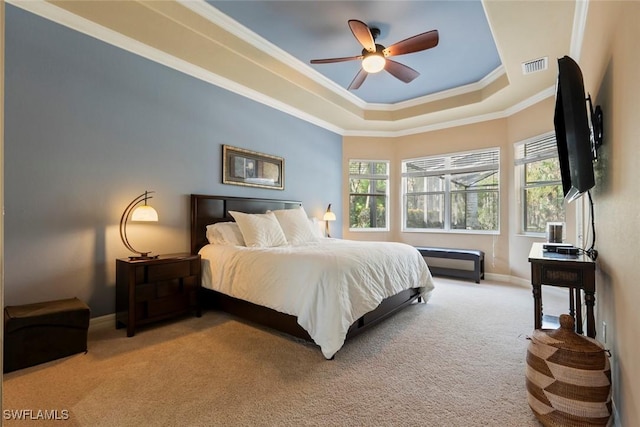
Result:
[295,225]
[225,233]
[317,228]
[260,230]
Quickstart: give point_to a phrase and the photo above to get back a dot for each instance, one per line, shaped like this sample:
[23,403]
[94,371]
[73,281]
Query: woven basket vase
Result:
[568,377]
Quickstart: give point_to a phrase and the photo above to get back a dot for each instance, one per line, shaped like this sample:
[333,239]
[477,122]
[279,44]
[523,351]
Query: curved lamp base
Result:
[143,256]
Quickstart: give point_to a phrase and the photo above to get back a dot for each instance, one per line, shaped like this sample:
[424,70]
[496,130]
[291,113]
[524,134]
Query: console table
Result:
[576,272]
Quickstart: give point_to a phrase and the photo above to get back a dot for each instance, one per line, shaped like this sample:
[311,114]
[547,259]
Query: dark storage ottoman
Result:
[38,333]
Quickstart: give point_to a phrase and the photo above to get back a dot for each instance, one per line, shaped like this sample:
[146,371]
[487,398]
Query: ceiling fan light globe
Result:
[373,63]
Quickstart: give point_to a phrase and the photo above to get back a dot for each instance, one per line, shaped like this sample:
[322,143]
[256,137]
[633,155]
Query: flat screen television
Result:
[578,130]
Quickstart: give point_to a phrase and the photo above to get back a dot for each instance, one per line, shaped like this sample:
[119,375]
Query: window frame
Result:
[372,177]
[447,171]
[520,161]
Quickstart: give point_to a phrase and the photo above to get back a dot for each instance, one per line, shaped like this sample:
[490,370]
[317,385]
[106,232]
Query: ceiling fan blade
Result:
[331,60]
[400,71]
[363,34]
[413,44]
[358,79]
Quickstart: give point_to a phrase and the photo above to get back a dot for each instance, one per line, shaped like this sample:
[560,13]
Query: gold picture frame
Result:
[252,169]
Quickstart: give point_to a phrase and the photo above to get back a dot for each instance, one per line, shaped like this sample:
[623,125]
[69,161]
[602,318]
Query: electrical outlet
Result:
[604,332]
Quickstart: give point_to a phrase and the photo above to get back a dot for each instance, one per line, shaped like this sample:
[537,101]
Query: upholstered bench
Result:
[40,332]
[476,256]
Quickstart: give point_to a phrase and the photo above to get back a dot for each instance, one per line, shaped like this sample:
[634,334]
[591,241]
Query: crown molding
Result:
[578,28]
[460,122]
[449,93]
[214,15]
[60,16]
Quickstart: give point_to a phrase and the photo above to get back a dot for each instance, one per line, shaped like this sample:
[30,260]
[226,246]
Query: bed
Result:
[333,289]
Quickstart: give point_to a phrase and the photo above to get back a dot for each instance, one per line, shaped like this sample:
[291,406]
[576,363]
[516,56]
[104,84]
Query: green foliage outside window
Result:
[543,197]
[474,201]
[368,182]
[415,208]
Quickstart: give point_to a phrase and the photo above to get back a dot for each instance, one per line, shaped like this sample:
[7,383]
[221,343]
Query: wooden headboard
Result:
[207,210]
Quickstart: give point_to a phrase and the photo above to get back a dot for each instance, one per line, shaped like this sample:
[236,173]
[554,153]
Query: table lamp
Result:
[143,213]
[328,216]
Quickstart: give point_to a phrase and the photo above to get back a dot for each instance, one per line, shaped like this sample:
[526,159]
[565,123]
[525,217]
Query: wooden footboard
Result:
[289,324]
[387,307]
[254,313]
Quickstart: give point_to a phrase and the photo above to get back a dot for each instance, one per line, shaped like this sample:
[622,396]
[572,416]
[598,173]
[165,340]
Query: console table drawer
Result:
[570,277]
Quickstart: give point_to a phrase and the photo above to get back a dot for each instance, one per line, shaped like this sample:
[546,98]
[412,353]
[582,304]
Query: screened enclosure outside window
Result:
[368,196]
[538,169]
[453,192]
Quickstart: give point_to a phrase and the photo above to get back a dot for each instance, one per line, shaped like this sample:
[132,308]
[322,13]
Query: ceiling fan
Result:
[375,56]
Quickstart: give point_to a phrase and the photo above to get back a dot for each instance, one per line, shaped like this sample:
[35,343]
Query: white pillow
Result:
[225,233]
[260,230]
[295,225]
[316,228]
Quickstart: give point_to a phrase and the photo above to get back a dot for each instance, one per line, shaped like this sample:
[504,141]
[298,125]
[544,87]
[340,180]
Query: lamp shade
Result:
[144,213]
[329,216]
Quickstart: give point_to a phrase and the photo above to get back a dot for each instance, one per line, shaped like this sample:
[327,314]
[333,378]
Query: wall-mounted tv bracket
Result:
[597,131]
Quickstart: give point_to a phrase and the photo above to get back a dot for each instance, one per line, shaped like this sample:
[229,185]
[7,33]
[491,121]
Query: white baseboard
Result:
[496,277]
[520,281]
[102,322]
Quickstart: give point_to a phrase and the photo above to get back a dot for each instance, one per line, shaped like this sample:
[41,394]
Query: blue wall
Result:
[90,126]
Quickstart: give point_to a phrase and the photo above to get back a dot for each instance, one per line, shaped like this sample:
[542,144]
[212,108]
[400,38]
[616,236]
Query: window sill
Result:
[532,235]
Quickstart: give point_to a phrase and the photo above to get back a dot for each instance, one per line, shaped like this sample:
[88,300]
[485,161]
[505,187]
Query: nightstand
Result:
[156,289]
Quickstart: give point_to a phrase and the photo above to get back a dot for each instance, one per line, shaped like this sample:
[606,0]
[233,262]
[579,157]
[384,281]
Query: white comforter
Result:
[326,285]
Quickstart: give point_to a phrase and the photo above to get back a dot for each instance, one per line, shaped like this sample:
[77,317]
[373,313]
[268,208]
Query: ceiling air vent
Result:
[539,64]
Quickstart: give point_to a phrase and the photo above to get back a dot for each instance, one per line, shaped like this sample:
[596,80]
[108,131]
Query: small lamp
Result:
[328,216]
[138,213]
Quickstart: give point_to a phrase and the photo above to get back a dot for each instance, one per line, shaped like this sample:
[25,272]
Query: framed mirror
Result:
[250,168]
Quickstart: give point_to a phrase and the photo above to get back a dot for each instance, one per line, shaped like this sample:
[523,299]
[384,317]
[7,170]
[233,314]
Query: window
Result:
[368,196]
[454,192]
[540,183]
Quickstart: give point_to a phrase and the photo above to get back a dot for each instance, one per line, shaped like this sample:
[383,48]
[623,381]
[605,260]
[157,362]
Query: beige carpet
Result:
[457,361]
